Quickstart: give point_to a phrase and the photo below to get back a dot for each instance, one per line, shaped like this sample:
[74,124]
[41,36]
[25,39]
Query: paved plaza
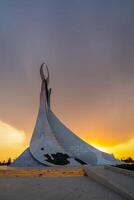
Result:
[98,183]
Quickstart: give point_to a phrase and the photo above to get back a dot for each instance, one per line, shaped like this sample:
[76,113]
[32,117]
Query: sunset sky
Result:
[89,48]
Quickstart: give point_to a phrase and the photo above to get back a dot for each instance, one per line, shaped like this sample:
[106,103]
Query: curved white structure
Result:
[54,144]
[44,146]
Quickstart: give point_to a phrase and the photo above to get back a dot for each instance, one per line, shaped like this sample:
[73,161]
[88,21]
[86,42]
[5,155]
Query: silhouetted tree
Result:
[9,161]
[128,160]
[6,162]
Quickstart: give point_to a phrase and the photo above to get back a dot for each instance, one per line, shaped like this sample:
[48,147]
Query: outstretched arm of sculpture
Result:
[49,94]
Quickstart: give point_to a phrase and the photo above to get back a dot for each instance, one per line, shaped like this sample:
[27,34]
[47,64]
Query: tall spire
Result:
[44,145]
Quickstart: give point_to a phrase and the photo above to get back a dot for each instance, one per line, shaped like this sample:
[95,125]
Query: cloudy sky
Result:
[89,48]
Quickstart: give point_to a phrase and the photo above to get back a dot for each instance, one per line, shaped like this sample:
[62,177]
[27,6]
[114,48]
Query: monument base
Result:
[26,160]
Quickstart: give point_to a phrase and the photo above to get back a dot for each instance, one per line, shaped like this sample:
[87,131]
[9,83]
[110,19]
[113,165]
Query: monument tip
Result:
[44,76]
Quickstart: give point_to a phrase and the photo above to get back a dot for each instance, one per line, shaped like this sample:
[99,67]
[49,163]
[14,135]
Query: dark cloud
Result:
[89,48]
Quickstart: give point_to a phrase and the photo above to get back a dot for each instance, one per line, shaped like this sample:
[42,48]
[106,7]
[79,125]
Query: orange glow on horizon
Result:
[13,142]
[123,150]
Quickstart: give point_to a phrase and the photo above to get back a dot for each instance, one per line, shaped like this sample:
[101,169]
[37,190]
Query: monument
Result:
[53,144]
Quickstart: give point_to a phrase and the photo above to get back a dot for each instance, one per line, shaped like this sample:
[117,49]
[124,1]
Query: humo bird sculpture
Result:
[52,143]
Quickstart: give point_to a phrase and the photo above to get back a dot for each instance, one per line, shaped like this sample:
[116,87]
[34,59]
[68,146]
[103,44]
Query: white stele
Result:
[54,144]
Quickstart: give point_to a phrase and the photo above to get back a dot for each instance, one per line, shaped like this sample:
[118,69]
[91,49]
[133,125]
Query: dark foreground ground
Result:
[126,166]
[97,183]
[50,188]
